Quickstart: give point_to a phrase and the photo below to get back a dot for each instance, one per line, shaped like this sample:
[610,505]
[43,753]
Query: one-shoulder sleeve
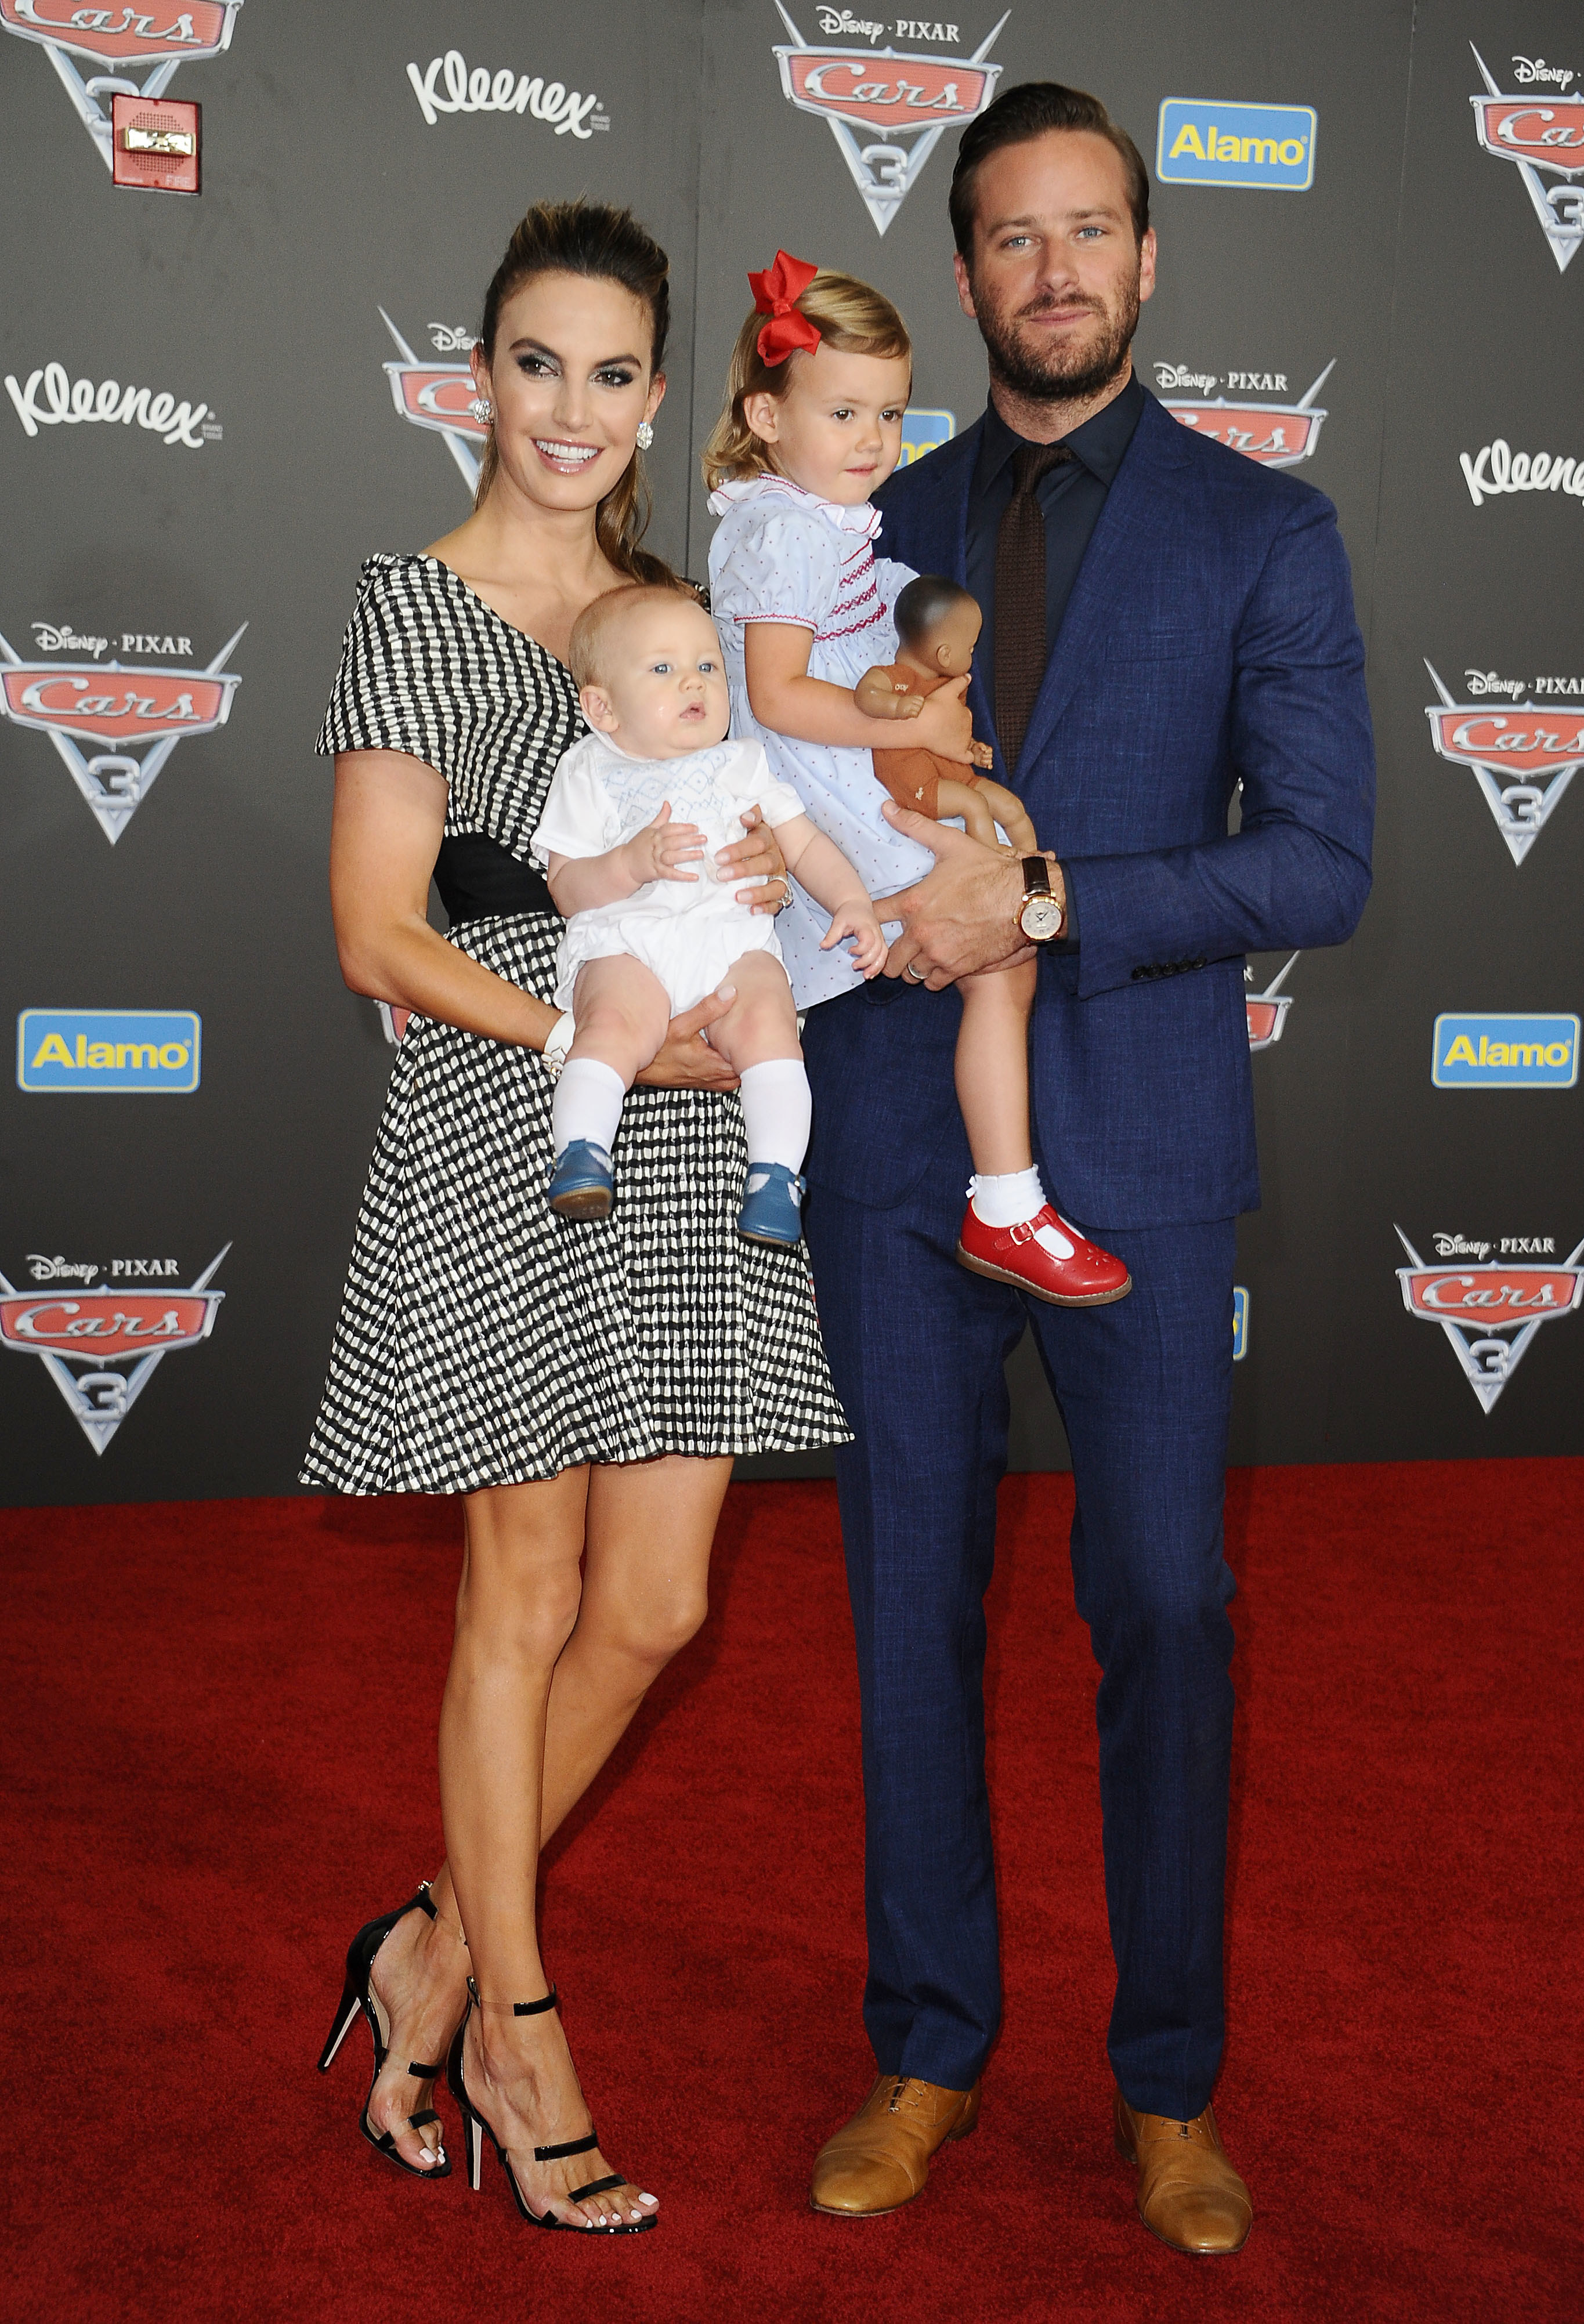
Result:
[390,692]
[783,564]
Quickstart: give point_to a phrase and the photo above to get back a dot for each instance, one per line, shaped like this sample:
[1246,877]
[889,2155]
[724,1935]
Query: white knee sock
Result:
[777,1111]
[588,1103]
[1007,1201]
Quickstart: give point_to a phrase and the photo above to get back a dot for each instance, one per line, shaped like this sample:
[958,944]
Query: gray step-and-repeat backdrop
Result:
[216,408]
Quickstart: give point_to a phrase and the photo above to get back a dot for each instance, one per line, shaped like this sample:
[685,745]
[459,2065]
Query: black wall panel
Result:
[1414,293]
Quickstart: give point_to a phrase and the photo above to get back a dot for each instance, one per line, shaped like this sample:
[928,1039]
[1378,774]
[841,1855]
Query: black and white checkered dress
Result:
[483,1340]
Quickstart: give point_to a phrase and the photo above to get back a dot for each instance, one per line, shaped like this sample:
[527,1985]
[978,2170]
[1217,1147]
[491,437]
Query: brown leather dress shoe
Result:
[1188,2192]
[880,2160]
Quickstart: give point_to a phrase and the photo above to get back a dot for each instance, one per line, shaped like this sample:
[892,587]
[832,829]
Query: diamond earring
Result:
[646,435]
[482,408]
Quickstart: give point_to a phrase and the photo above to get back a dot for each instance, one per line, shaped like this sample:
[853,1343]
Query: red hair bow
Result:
[774,294]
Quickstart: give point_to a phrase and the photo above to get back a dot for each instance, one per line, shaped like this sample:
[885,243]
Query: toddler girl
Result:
[811,427]
[654,789]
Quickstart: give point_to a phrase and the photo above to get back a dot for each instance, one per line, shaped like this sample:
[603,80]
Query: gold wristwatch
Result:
[1042,918]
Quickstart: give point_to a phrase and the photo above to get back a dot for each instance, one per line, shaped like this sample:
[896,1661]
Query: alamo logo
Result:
[1523,758]
[127,709]
[116,40]
[886,108]
[1488,1305]
[1504,1051]
[109,1051]
[1275,433]
[1543,130]
[102,1348]
[1204,141]
[439,396]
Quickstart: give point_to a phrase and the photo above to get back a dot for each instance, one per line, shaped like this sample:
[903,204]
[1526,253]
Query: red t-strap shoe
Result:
[1045,1255]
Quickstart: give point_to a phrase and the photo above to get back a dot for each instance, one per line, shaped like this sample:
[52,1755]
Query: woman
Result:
[583,1385]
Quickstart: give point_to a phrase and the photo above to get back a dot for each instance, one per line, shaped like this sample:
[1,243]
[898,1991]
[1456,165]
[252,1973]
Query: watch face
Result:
[1041,918]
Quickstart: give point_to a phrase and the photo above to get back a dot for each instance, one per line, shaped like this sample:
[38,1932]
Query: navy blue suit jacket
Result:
[1209,639]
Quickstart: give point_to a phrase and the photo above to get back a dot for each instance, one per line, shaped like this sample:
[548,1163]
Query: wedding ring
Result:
[912,975]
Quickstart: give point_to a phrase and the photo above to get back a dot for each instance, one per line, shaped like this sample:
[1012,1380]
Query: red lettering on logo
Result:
[1275,435]
[887,92]
[105,703]
[1522,743]
[438,395]
[107,1325]
[124,35]
[1549,132]
[1492,1296]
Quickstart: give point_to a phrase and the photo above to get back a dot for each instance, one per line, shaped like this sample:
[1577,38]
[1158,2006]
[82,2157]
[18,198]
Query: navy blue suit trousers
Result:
[917,1346]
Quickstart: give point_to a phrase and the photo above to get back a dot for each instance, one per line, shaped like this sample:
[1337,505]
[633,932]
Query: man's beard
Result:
[1059,375]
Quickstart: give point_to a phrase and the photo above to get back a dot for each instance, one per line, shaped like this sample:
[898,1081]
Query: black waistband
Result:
[477,879]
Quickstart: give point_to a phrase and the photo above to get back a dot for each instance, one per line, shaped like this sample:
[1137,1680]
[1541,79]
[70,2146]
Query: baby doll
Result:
[938,626]
[640,947]
[811,429]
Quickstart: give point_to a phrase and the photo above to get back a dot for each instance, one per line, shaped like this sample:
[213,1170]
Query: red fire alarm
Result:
[155,143]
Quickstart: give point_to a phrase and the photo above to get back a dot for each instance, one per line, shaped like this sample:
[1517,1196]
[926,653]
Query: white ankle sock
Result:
[588,1103]
[777,1111]
[1009,1200]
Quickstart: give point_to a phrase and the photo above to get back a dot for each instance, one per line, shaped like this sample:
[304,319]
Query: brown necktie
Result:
[1020,597]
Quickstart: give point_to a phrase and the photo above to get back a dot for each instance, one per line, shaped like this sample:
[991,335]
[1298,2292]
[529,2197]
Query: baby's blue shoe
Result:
[772,1206]
[580,1184]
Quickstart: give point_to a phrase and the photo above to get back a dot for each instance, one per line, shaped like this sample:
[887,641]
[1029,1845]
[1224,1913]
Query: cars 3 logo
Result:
[102,1348]
[1539,132]
[1523,758]
[439,396]
[161,37]
[1489,1313]
[1267,1012]
[1276,435]
[873,97]
[135,716]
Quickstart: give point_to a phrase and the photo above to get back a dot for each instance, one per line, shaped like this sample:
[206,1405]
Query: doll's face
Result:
[838,430]
[660,691]
[949,647]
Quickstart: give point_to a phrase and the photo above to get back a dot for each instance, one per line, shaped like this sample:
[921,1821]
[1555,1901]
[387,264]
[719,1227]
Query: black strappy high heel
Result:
[475,2125]
[358,1993]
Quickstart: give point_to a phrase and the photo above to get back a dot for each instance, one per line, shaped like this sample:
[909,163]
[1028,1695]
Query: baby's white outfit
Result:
[687,935]
[781,554]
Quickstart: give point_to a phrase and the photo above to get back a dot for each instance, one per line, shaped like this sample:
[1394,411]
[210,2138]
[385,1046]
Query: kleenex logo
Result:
[1205,143]
[1506,1052]
[108,1050]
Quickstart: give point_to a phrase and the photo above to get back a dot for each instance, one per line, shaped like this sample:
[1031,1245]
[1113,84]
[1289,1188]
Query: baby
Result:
[640,947]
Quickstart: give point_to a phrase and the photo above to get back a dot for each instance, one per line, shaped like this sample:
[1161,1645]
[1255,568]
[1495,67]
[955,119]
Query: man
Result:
[1164,621]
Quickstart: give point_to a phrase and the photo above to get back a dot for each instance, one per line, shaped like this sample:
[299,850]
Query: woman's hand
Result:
[757,857]
[945,725]
[659,850]
[685,1059]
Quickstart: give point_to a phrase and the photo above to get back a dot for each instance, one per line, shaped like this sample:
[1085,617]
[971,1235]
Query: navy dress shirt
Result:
[1071,496]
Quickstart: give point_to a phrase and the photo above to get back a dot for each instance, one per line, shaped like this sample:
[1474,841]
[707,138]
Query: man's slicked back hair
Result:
[1029,110]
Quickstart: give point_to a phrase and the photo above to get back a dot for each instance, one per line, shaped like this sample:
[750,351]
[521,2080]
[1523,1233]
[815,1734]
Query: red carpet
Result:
[220,1729]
